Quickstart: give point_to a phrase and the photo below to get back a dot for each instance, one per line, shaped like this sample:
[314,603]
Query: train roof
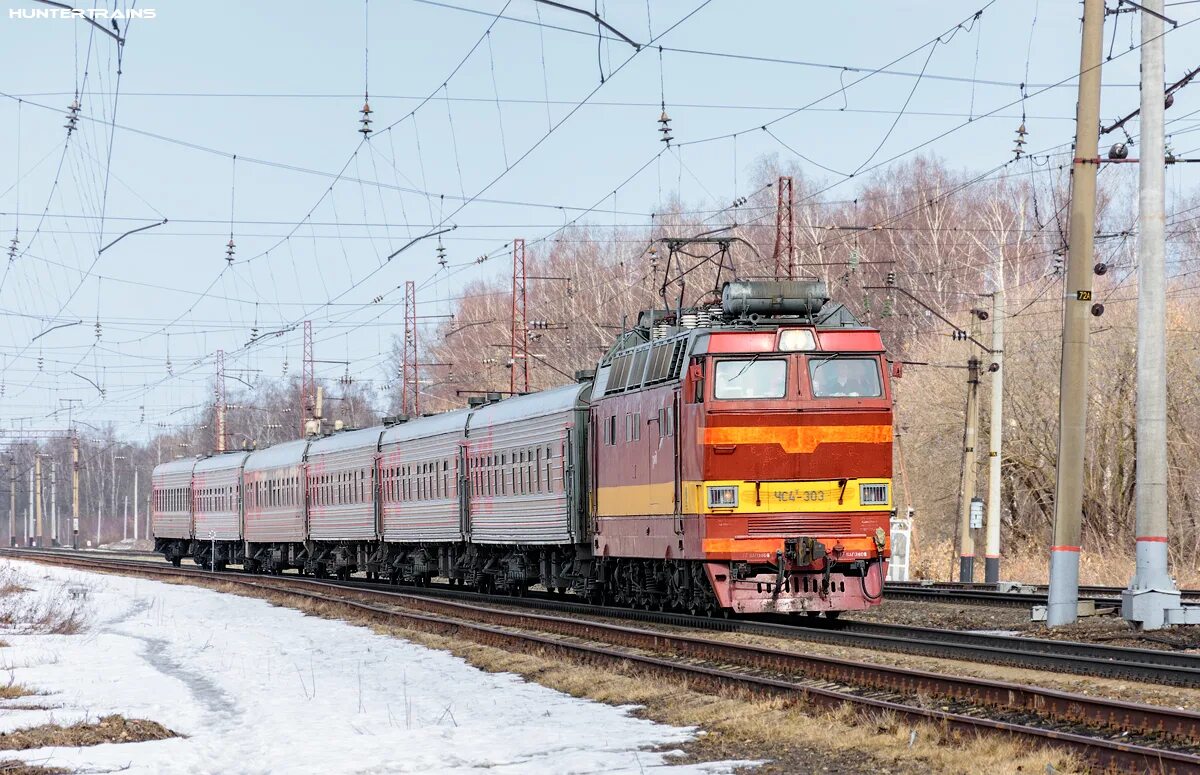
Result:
[221,462]
[289,453]
[525,407]
[424,427]
[182,465]
[366,438]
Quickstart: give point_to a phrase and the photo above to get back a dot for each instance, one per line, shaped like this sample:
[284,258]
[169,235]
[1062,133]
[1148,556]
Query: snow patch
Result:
[255,688]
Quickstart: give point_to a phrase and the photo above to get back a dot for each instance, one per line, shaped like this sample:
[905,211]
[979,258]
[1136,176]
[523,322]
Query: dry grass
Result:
[18,767]
[1110,567]
[55,612]
[12,691]
[109,729]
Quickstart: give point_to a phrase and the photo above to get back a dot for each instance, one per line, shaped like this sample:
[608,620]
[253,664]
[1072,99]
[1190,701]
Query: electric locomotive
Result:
[734,457]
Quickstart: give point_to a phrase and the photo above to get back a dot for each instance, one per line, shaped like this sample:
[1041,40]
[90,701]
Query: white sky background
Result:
[282,83]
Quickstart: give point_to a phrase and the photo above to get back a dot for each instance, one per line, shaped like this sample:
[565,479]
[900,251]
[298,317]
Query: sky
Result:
[492,119]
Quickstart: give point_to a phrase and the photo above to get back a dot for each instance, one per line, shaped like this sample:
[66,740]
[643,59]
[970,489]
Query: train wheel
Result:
[832,615]
[177,561]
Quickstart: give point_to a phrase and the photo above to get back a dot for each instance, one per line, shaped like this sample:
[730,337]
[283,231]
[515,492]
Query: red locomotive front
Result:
[762,482]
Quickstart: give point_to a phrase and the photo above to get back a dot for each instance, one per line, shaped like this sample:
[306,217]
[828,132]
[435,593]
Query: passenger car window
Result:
[834,377]
[750,378]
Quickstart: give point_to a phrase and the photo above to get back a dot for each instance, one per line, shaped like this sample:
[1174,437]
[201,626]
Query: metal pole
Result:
[53,502]
[135,504]
[1152,591]
[29,512]
[991,571]
[39,526]
[1063,599]
[74,491]
[966,541]
[12,502]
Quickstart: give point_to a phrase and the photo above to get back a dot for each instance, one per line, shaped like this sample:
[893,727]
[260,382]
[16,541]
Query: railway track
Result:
[988,594]
[1146,665]
[1109,733]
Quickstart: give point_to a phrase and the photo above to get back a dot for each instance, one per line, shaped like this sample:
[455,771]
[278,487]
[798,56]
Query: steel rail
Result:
[1059,705]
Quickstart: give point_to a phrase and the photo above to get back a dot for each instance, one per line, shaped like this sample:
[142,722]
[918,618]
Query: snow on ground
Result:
[258,689]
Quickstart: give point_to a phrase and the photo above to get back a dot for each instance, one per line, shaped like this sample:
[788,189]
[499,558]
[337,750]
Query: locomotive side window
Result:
[750,378]
[834,377]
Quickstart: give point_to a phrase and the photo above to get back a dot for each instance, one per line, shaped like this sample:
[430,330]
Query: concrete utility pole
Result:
[1063,599]
[29,511]
[991,571]
[53,502]
[966,541]
[39,527]
[135,503]
[12,502]
[1152,599]
[74,490]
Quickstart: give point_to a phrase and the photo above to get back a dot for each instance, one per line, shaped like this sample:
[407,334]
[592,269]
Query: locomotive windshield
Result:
[750,378]
[835,377]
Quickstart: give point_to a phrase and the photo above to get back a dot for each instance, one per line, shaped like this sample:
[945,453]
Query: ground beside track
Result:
[254,687]
[794,739]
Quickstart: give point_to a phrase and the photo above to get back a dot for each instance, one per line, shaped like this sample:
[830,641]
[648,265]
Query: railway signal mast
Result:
[1152,599]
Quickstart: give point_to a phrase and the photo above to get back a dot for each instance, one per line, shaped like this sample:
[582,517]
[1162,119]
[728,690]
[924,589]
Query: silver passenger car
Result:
[341,472]
[171,499]
[274,493]
[419,469]
[217,497]
[522,454]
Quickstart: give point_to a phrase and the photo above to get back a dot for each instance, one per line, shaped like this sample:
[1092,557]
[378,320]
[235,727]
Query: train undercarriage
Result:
[692,586]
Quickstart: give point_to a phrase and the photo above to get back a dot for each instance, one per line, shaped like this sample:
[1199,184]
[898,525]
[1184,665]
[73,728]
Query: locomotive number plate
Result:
[806,496]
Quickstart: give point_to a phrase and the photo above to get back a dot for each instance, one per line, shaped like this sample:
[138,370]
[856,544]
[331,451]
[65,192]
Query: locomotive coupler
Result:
[804,551]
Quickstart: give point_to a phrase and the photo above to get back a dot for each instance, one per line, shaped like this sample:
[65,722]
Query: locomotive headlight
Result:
[722,497]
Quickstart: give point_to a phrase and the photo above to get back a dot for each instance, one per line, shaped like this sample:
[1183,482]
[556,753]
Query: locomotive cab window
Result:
[835,377]
[749,378]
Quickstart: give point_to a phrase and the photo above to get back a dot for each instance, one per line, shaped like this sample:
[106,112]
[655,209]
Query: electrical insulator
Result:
[366,119]
[254,333]
[1019,148]
[960,335]
[230,249]
[285,367]
[665,126]
[1118,151]
[41,362]
[441,254]
[97,329]
[891,278]
[12,247]
[1097,309]
[72,117]
[377,299]
[1058,263]
[1100,268]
